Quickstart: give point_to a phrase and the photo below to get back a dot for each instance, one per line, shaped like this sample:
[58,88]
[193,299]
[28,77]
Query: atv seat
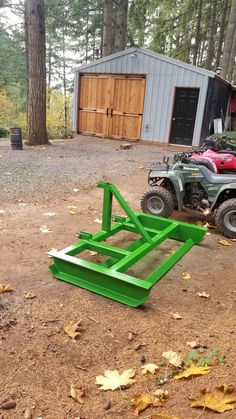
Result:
[217,178]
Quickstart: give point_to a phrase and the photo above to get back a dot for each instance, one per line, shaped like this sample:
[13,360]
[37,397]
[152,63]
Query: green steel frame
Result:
[109,278]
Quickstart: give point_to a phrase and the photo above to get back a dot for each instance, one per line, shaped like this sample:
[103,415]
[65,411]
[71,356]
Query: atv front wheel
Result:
[158,201]
[226,218]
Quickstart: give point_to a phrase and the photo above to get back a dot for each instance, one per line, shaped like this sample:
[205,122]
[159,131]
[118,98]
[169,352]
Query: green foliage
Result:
[213,357]
[4,132]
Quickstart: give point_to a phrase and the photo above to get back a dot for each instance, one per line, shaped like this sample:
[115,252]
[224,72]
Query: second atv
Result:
[192,184]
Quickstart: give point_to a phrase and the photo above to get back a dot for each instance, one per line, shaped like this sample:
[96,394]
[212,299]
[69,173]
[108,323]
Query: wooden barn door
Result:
[94,97]
[126,107]
[111,105]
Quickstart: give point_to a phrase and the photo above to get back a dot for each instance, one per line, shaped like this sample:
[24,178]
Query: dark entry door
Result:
[184,115]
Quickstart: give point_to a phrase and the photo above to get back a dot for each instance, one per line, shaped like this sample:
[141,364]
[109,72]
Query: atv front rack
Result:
[109,278]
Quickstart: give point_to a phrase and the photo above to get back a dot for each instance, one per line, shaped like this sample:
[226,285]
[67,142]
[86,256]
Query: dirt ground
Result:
[38,361]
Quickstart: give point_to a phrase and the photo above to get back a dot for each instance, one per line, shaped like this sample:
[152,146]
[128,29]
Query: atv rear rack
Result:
[109,278]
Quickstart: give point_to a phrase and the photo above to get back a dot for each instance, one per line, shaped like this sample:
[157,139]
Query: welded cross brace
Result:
[109,278]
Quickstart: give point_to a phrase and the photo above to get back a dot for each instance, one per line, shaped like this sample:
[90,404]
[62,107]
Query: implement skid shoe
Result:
[109,278]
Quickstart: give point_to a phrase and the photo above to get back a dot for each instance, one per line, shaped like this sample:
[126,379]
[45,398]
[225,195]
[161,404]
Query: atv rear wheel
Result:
[158,201]
[226,218]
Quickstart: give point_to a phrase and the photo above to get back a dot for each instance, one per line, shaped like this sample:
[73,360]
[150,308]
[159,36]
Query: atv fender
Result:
[176,181]
[231,187]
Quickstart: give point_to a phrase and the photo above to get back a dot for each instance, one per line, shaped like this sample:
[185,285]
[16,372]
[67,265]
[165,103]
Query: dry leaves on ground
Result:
[173,358]
[73,329]
[193,370]
[203,294]
[186,275]
[45,229]
[176,316]
[5,288]
[29,295]
[72,209]
[193,344]
[224,242]
[141,401]
[111,380]
[98,221]
[77,393]
[220,400]
[149,369]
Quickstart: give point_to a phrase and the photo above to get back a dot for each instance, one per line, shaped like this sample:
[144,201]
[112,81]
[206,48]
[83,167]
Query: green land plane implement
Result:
[109,278]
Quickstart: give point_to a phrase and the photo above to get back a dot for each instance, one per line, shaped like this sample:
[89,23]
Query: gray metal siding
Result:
[161,79]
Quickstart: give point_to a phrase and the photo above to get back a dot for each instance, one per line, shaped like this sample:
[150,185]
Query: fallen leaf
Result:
[72,207]
[163,416]
[75,190]
[208,233]
[50,214]
[220,400]
[1,227]
[77,393]
[45,229]
[186,275]
[111,380]
[5,288]
[176,316]
[224,242]
[73,212]
[161,393]
[193,370]
[149,368]
[173,358]
[97,220]
[141,401]
[93,253]
[73,329]
[29,295]
[203,294]
[2,211]
[193,344]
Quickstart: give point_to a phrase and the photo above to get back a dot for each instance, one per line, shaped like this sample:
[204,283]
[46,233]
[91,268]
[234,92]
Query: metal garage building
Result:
[138,94]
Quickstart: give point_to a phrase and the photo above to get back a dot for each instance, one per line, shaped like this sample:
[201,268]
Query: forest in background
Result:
[79,31]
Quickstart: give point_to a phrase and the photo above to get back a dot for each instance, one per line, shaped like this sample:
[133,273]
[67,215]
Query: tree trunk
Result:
[198,32]
[107,28]
[121,25]
[211,41]
[232,60]
[221,33]
[36,59]
[229,40]
[64,81]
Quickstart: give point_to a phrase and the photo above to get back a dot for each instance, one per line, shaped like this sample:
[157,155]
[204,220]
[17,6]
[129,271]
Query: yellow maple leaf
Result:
[77,393]
[111,380]
[220,400]
[73,329]
[5,288]
[193,370]
[186,275]
[149,368]
[224,242]
[141,401]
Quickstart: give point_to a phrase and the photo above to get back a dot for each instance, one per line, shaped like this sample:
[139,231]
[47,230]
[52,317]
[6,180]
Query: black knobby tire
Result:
[158,201]
[225,218]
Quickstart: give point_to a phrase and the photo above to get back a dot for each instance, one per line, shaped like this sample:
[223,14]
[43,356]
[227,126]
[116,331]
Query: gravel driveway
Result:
[82,160]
